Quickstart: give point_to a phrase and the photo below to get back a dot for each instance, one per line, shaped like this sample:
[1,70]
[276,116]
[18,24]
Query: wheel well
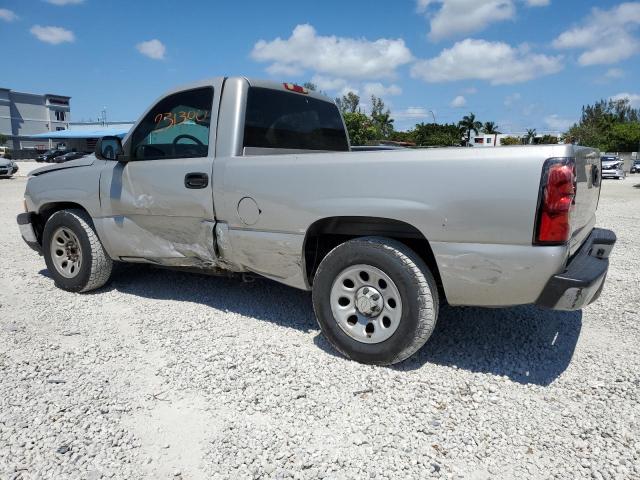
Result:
[45,212]
[326,234]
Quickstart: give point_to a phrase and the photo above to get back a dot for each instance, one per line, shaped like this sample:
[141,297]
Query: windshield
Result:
[609,159]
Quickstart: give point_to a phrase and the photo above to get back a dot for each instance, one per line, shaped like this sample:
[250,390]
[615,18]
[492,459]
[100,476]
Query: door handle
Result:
[196,180]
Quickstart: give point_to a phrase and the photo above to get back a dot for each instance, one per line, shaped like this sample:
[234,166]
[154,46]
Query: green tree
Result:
[361,128]
[490,128]
[601,126]
[549,140]
[3,139]
[349,103]
[510,141]
[381,116]
[470,124]
[402,136]
[530,136]
[310,86]
[624,137]
[436,135]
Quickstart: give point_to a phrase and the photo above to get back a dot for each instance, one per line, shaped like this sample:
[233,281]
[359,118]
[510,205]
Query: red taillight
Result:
[558,190]
[292,87]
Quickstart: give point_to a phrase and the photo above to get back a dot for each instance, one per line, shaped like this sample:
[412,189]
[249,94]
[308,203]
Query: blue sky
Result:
[519,63]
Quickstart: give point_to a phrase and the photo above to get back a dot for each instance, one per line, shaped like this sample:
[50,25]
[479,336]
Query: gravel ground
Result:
[167,375]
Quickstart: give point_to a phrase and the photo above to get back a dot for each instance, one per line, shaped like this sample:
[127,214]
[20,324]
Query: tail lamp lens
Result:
[558,191]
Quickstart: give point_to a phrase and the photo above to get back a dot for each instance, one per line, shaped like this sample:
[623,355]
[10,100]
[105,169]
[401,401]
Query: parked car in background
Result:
[49,155]
[3,151]
[68,156]
[613,167]
[635,166]
[7,167]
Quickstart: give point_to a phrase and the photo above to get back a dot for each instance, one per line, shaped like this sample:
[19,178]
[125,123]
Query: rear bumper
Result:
[28,233]
[582,281]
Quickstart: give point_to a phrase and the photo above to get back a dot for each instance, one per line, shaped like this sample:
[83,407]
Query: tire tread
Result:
[423,281]
[101,264]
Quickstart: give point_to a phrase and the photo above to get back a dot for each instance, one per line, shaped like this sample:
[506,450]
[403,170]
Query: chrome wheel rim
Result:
[66,252]
[366,303]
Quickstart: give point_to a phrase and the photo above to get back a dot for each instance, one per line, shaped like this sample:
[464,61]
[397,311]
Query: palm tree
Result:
[469,124]
[530,136]
[490,128]
[384,122]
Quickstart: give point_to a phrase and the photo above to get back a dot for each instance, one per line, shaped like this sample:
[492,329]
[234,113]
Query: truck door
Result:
[158,206]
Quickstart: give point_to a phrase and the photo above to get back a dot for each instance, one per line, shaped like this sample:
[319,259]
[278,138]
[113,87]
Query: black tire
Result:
[414,281]
[96,266]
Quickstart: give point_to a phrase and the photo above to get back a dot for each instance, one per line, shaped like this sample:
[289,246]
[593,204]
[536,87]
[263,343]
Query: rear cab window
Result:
[291,121]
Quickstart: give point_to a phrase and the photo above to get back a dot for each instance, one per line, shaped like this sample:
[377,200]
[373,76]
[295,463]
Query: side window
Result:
[177,127]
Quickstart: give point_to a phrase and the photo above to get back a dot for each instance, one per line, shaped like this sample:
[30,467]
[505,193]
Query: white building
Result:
[495,140]
[25,114]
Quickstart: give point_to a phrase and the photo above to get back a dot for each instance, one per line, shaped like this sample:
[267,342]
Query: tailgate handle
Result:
[196,180]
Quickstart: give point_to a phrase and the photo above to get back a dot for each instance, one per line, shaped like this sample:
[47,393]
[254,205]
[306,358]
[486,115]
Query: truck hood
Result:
[80,162]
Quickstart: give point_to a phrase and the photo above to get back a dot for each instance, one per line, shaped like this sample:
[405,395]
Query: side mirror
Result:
[110,148]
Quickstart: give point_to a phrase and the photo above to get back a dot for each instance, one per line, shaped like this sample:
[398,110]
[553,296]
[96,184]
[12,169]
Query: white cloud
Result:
[329,83]
[449,18]
[605,36]
[278,69]
[510,100]
[154,49]
[495,62]
[530,109]
[613,73]
[336,56]
[7,15]
[458,102]
[52,35]
[349,89]
[411,113]
[470,91]
[634,98]
[380,90]
[342,87]
[555,122]
[337,86]
[538,3]
[64,2]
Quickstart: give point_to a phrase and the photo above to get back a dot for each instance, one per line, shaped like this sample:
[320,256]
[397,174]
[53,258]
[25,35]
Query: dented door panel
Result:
[148,212]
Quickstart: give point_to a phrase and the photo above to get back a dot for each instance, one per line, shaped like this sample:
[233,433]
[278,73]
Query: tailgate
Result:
[583,213]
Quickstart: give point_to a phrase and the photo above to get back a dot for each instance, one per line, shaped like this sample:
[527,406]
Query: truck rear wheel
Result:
[375,300]
[73,252]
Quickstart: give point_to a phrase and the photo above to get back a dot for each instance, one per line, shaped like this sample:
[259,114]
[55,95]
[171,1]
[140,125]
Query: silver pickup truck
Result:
[258,178]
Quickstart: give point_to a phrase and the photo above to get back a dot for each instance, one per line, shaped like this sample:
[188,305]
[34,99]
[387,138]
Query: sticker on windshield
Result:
[173,118]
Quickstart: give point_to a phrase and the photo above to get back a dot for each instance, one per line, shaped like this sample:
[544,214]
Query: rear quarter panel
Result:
[476,207]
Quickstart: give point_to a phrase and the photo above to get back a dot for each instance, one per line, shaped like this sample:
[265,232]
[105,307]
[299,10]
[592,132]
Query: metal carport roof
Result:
[69,134]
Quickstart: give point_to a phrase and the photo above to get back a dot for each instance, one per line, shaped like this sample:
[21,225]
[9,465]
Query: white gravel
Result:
[164,375]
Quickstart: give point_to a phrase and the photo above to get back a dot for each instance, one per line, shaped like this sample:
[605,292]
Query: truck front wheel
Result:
[375,300]
[73,252]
